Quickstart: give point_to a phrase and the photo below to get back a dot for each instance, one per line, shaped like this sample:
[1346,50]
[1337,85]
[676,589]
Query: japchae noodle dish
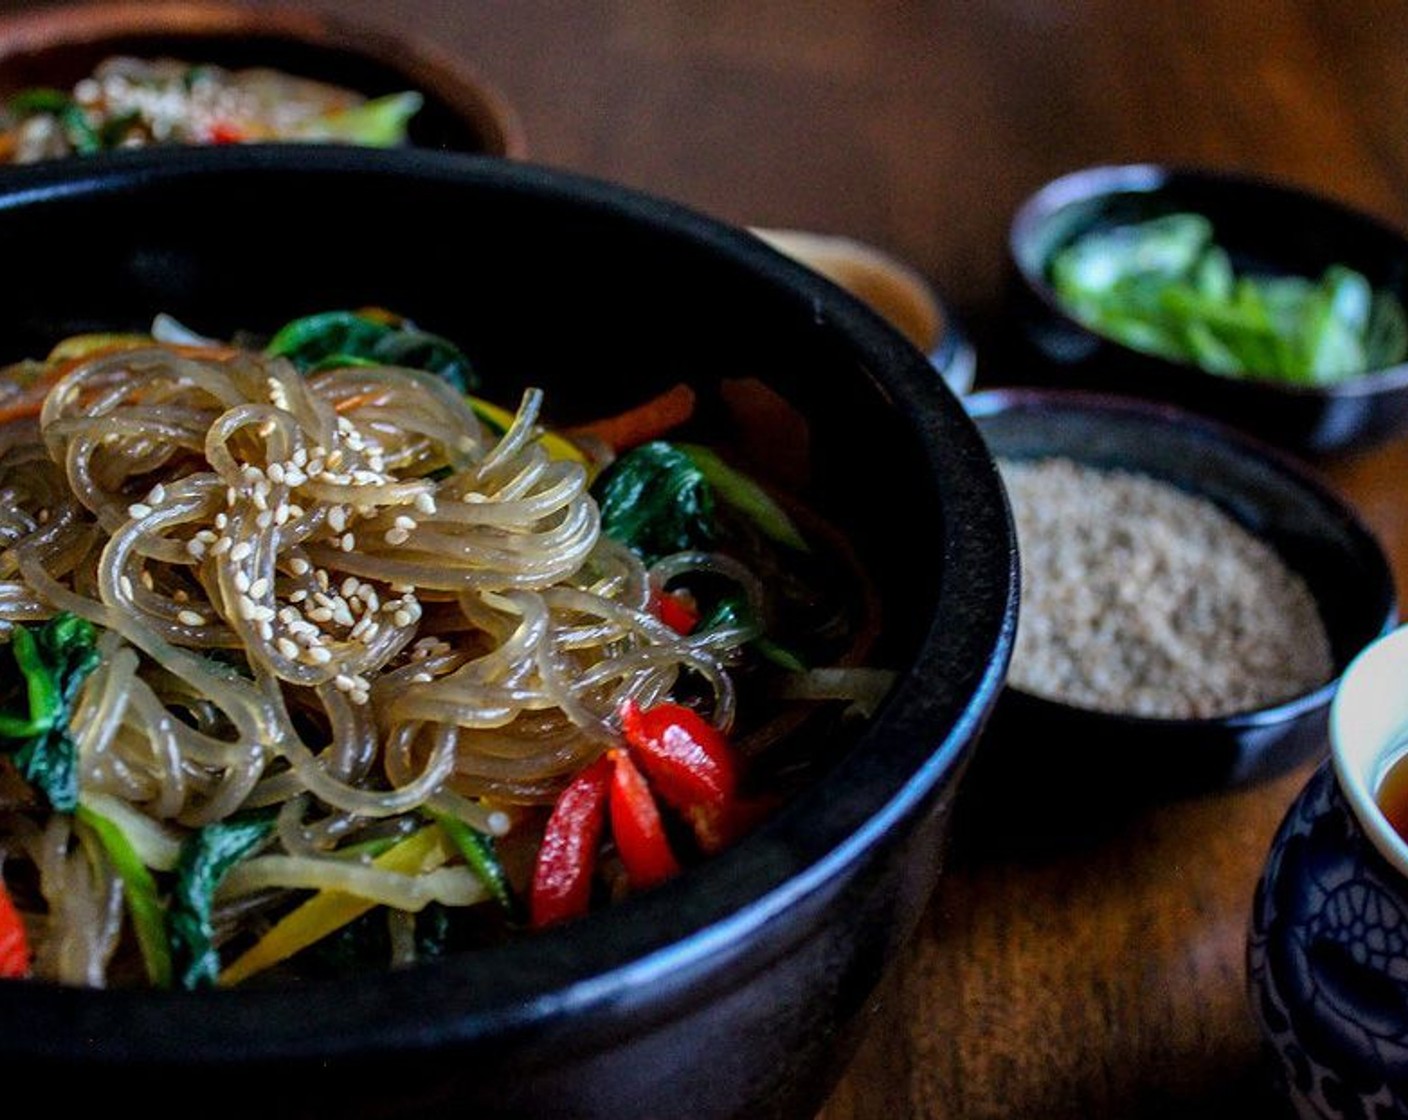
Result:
[314,660]
[139,103]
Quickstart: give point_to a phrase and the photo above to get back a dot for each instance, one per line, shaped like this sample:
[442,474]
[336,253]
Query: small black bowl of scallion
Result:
[1275,309]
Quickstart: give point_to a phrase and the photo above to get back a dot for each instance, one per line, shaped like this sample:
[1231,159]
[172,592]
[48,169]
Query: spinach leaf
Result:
[51,661]
[655,500]
[339,338]
[206,857]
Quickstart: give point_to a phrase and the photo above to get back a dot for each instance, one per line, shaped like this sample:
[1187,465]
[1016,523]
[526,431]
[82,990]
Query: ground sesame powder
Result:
[1140,598]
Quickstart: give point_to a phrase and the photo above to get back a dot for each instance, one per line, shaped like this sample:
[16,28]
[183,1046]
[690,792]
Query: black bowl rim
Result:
[1088,183]
[650,948]
[1197,428]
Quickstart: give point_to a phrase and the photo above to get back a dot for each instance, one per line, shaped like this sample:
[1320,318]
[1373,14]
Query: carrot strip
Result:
[29,401]
[646,421]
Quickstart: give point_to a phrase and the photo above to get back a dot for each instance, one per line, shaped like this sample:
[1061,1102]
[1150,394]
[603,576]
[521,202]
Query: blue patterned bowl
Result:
[1328,948]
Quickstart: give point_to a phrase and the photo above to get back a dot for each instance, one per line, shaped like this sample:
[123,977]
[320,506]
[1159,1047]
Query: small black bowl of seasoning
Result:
[1264,304]
[1190,597]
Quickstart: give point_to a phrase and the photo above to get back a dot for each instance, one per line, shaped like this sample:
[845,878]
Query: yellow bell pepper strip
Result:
[499,419]
[139,890]
[328,911]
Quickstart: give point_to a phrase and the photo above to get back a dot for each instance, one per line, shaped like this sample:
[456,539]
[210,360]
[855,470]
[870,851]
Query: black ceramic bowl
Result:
[1266,227]
[1044,750]
[737,989]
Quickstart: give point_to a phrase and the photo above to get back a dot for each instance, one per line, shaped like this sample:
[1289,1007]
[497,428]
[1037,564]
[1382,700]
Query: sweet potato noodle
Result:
[426,614]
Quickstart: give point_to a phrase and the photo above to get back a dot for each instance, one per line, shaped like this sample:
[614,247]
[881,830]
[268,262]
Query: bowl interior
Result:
[1311,528]
[461,112]
[602,298]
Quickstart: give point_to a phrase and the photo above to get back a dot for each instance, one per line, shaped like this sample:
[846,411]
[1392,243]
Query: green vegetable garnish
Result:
[139,890]
[736,489]
[1166,287]
[206,857]
[655,500]
[51,660]
[380,122]
[479,853]
[341,338]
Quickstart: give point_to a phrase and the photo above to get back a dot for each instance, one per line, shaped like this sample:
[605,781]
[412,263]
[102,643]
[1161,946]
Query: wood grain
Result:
[1098,977]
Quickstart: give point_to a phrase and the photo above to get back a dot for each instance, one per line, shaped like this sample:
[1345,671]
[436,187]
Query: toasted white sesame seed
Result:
[337,518]
[222,519]
[396,536]
[139,510]
[404,522]
[246,606]
[349,542]
[222,546]
[276,473]
[425,503]
[402,617]
[145,575]
[287,647]
[157,495]
[241,581]
[297,596]
[318,655]
[341,615]
[266,630]
[260,587]
[299,566]
[126,584]
[196,547]
[190,618]
[240,551]
[421,678]
[321,614]
[324,580]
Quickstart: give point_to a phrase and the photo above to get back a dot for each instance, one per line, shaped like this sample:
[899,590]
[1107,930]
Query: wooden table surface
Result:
[1096,979]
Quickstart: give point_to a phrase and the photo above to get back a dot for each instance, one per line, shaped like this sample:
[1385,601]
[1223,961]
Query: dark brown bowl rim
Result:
[453,82]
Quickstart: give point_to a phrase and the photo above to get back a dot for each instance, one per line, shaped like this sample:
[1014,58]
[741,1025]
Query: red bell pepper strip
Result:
[676,609]
[14,943]
[562,878]
[689,763]
[637,828]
